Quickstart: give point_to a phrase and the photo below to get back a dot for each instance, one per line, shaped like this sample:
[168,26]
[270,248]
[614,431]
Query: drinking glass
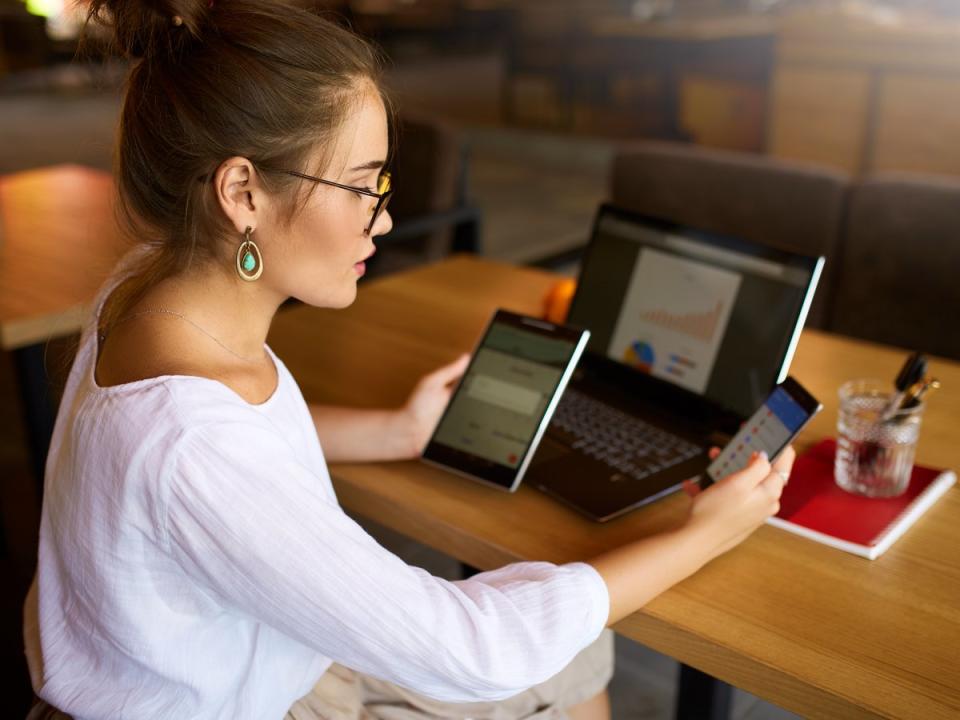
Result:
[874,455]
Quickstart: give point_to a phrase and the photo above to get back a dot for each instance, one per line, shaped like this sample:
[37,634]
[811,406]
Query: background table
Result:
[813,629]
[59,240]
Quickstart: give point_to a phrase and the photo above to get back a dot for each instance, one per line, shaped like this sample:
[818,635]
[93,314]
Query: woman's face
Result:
[320,256]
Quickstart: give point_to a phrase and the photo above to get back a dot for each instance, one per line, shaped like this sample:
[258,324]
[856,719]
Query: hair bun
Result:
[143,28]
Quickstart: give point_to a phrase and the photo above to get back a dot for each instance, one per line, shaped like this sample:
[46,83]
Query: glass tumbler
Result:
[874,456]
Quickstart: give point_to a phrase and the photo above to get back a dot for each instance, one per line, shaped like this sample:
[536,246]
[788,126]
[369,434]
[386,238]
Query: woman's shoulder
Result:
[142,391]
[130,355]
[134,438]
[138,352]
[159,411]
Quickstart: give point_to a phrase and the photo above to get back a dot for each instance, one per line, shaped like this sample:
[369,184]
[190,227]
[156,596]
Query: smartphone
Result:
[505,399]
[771,428]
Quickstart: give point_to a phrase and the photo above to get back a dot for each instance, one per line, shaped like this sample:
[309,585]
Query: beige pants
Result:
[342,694]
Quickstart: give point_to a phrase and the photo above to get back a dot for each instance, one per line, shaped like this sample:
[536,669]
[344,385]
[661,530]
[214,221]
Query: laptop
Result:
[690,331]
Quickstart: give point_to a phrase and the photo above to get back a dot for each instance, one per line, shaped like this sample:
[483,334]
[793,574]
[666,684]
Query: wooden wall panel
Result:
[918,126]
[819,114]
[865,94]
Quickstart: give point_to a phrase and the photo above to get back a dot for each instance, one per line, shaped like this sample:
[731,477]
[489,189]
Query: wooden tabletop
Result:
[58,242]
[813,629]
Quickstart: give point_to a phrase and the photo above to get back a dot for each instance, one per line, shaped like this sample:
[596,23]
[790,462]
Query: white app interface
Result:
[504,395]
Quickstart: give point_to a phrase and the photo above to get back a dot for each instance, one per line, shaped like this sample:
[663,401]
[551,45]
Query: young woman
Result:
[194,562]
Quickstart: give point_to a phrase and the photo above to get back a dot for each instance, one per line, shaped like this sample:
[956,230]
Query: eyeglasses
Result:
[383,193]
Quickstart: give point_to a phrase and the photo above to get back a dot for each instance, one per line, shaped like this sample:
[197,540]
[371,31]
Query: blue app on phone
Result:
[781,417]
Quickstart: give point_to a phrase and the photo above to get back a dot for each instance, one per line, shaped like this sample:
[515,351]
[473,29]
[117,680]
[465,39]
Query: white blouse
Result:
[194,563]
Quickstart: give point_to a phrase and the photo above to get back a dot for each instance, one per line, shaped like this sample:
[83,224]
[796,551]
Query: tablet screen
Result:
[505,398]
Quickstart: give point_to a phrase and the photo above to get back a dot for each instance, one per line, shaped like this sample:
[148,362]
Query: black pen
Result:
[910,374]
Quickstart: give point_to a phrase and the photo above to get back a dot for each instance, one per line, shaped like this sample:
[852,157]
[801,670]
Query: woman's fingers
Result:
[448,373]
[784,462]
[714,453]
[772,485]
[755,472]
[779,475]
[691,488]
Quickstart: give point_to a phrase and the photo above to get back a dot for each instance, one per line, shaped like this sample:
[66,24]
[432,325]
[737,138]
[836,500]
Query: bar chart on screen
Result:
[700,326]
[674,315]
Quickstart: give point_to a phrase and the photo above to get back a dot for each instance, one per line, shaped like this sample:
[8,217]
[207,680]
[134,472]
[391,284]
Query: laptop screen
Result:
[716,316]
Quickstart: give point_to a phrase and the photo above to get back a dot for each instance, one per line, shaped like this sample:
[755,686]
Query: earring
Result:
[249,260]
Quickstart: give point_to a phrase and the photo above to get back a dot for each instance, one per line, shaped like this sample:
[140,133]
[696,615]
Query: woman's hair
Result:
[214,79]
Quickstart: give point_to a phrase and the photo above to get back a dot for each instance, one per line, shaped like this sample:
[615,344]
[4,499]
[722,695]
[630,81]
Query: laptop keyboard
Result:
[624,442]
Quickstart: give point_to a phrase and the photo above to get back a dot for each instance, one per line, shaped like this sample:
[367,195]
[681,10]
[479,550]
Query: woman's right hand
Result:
[727,512]
[720,517]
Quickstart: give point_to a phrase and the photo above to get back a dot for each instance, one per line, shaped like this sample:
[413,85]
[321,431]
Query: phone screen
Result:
[781,417]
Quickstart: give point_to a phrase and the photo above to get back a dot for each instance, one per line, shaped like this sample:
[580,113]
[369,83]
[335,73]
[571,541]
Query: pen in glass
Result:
[911,373]
[916,393]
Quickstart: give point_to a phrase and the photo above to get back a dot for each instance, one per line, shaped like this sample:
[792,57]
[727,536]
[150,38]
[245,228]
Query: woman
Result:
[194,562]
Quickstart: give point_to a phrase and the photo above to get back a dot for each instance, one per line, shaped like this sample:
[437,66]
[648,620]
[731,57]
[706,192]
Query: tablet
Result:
[505,399]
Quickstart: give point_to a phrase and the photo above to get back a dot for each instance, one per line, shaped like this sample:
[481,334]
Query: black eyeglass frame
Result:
[382,198]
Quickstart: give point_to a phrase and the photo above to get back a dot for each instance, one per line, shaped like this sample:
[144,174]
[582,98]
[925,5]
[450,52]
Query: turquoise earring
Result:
[249,260]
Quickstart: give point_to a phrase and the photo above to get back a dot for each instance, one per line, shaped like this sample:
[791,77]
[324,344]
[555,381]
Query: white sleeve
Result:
[253,526]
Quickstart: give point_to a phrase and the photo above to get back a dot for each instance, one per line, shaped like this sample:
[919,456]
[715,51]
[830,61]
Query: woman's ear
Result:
[239,192]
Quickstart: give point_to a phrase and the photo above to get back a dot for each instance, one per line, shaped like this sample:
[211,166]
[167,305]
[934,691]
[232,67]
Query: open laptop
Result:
[690,332]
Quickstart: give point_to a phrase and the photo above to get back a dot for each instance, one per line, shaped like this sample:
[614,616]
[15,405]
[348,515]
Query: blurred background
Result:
[863,86]
[519,116]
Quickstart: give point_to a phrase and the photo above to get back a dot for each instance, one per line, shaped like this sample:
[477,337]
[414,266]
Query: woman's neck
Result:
[236,313]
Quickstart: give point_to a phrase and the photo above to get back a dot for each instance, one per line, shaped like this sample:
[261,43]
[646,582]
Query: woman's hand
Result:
[426,403]
[720,517]
[361,435]
[727,512]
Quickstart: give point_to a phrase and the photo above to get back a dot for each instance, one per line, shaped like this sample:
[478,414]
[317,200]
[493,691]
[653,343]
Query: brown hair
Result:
[261,79]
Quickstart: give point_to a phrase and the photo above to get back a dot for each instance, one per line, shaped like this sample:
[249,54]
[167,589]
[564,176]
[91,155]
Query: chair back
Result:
[784,204]
[430,209]
[897,279]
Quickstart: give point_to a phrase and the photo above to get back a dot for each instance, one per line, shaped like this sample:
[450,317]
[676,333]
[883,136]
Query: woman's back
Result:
[119,614]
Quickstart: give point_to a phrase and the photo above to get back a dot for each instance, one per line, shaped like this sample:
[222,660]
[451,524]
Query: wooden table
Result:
[58,242]
[810,628]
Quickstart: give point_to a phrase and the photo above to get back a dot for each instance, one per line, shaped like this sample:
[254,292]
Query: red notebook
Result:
[814,506]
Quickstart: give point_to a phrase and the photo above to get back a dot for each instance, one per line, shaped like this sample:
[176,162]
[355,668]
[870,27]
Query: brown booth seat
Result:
[897,277]
[775,202]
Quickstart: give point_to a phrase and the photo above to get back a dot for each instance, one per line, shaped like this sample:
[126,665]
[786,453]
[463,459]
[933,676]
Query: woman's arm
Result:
[253,527]
[720,518]
[354,435]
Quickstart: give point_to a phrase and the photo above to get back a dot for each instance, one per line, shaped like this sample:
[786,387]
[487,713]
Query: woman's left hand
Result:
[428,401]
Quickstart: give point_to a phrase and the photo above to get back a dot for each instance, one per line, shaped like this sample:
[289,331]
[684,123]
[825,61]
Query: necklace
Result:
[164,311]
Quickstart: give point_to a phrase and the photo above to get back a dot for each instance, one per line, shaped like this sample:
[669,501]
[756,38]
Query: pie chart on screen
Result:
[640,356]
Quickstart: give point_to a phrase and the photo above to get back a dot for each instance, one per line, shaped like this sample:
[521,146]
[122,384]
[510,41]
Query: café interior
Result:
[830,127]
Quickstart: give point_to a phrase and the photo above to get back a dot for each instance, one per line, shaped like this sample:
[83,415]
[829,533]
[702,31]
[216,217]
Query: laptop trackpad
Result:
[589,486]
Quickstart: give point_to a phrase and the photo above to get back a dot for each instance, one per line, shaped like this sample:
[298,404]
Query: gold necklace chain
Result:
[164,311]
